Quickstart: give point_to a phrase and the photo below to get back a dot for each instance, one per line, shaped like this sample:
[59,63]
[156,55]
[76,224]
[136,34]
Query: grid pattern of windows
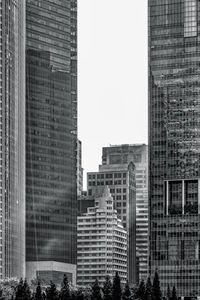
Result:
[137,153]
[102,243]
[51,125]
[190,18]
[12,139]
[122,185]
[174,142]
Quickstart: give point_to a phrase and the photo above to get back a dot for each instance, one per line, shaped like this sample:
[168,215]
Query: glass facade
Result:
[174,143]
[51,130]
[12,139]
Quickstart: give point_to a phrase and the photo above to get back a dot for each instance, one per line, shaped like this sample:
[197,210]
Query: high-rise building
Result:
[138,154]
[102,243]
[51,136]
[79,168]
[174,143]
[12,139]
[121,181]
[84,202]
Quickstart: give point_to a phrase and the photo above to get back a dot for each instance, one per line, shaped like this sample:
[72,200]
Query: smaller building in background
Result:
[122,184]
[138,154]
[47,271]
[102,243]
[84,202]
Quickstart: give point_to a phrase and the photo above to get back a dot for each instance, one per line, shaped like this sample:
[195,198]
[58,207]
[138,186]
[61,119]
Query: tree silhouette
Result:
[126,293]
[107,289]
[51,292]
[79,295]
[26,291]
[148,289]
[168,292]
[23,291]
[65,290]
[174,297]
[140,292]
[96,291]
[38,294]
[157,294]
[19,290]
[116,289]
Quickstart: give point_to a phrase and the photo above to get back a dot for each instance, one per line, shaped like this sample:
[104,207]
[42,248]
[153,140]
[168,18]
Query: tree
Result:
[19,290]
[23,291]
[148,289]
[140,293]
[9,288]
[157,294]
[79,295]
[51,292]
[107,289]
[65,291]
[168,293]
[38,294]
[96,291]
[174,297]
[74,295]
[116,289]
[26,291]
[126,292]
[43,296]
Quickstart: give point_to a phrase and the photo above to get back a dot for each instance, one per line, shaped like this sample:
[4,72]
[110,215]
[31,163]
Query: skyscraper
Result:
[79,168]
[12,139]
[174,143]
[102,242]
[121,181]
[138,154]
[51,136]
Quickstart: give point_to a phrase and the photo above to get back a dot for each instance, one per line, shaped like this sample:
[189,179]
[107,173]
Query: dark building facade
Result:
[12,139]
[51,132]
[138,154]
[174,143]
[121,181]
[79,168]
[84,202]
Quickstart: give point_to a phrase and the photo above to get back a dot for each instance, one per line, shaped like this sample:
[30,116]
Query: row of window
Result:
[115,182]
[107,176]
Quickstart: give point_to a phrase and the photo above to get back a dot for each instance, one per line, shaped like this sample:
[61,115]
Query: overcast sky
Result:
[112,75]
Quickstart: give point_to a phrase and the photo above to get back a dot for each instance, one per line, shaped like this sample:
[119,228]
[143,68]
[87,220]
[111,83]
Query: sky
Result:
[112,76]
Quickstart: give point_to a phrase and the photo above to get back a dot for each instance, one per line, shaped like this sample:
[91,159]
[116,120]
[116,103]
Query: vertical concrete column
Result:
[198,196]
[167,197]
[183,196]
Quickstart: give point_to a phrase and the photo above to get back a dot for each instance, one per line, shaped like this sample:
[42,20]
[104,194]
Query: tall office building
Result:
[121,181]
[102,242]
[12,139]
[174,143]
[138,154]
[79,168]
[51,137]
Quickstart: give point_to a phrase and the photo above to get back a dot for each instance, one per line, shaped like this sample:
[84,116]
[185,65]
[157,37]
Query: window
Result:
[191,197]
[190,18]
[181,197]
[174,197]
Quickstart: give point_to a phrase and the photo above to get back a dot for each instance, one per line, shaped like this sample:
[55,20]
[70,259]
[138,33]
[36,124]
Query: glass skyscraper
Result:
[51,132]
[174,143]
[12,139]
